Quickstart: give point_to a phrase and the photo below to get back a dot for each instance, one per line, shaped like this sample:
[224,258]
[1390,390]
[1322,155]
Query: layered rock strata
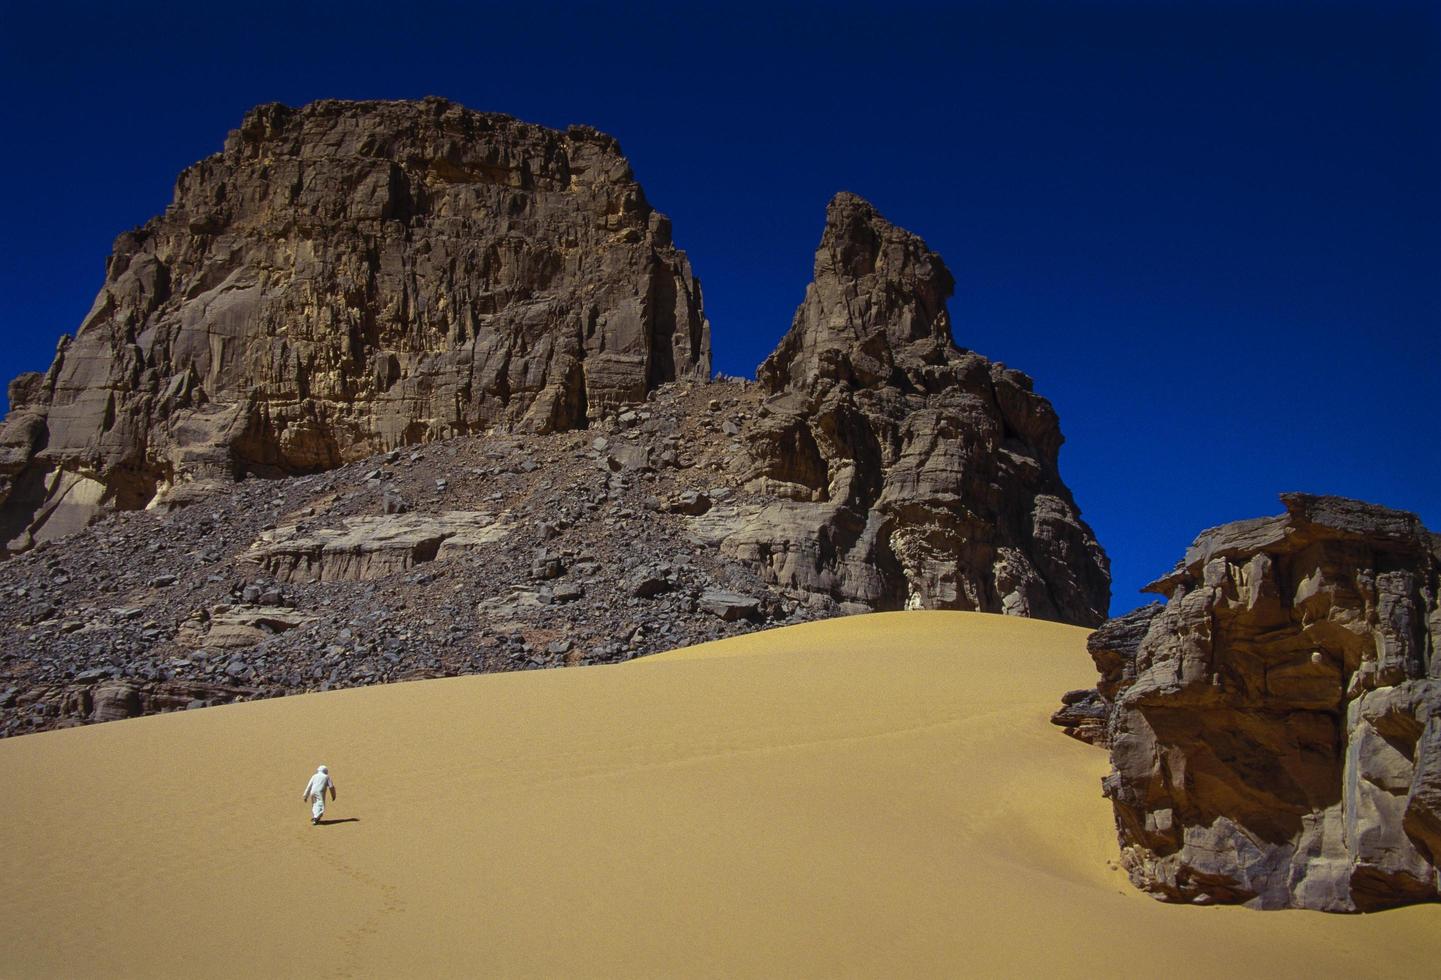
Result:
[345,278]
[1275,727]
[910,473]
[371,547]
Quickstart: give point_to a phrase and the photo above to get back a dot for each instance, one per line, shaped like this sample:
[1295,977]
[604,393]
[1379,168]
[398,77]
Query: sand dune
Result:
[874,796]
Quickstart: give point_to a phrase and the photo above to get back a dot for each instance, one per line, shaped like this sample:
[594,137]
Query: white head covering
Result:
[319,780]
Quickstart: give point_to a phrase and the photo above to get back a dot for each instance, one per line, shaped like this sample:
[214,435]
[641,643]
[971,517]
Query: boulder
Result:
[649,585]
[1083,715]
[245,626]
[567,592]
[1275,727]
[546,566]
[692,503]
[115,700]
[628,459]
[393,503]
[730,606]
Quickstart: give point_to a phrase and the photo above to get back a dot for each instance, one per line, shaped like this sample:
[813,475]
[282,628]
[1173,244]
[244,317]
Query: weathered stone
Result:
[628,458]
[370,547]
[545,566]
[115,700]
[245,626]
[917,475]
[393,503]
[567,592]
[648,586]
[1273,727]
[1083,715]
[342,279]
[730,606]
[1113,645]
[690,502]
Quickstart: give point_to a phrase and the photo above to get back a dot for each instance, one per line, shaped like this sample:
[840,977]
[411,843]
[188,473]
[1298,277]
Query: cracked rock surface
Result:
[343,279]
[1275,726]
[914,474]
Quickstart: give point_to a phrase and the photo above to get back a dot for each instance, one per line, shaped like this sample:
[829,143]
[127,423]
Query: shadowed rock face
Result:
[915,474]
[1275,727]
[342,279]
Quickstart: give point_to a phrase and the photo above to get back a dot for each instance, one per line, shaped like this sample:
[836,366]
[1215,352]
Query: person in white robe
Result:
[315,793]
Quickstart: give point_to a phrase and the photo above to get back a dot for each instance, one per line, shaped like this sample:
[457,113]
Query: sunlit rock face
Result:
[1275,726]
[345,278]
[912,474]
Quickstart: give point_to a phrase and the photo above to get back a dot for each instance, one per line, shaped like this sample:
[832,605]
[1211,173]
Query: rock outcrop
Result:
[371,547]
[912,474]
[345,278]
[1275,727]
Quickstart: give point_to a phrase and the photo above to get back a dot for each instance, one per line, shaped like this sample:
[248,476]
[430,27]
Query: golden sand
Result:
[875,796]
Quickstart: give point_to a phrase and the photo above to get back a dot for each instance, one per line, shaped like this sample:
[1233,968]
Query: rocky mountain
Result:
[1275,726]
[399,390]
[914,474]
[344,279]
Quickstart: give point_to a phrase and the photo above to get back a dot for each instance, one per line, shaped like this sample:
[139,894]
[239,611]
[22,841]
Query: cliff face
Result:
[915,474]
[343,279]
[1275,727]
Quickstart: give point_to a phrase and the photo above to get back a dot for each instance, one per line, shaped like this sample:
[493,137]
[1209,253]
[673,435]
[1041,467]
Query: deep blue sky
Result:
[1211,232]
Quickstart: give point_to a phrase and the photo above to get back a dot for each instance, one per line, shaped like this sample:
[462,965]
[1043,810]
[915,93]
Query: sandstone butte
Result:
[347,278]
[1275,726]
[352,277]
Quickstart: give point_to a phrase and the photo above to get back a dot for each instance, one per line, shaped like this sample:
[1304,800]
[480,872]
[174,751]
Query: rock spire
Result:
[913,473]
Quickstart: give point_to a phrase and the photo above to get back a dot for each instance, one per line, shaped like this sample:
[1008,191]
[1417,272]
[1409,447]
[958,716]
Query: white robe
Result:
[315,791]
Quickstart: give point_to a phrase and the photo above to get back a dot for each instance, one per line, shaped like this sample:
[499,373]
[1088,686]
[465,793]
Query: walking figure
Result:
[315,791]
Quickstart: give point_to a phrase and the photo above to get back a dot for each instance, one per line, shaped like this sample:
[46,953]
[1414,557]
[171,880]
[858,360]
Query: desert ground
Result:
[871,796]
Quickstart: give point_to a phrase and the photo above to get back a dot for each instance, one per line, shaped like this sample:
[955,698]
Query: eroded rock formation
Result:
[371,547]
[1275,727]
[349,277]
[912,473]
[345,278]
